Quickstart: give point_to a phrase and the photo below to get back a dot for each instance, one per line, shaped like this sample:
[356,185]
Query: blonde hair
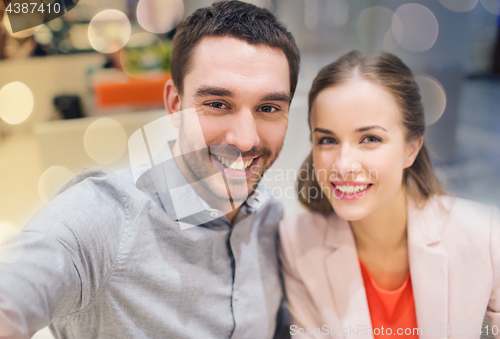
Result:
[389,72]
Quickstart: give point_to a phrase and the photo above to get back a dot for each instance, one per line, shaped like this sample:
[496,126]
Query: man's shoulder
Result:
[95,201]
[115,187]
[97,177]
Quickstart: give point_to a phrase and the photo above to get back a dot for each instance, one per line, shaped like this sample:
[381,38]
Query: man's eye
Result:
[217,105]
[268,109]
[371,139]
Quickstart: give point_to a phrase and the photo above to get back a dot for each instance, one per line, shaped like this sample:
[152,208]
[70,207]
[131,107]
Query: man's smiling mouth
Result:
[235,164]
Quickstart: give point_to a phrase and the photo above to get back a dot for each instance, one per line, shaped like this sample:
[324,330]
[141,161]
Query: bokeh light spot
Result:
[51,180]
[338,12]
[56,24]
[415,27]
[109,31]
[78,36]
[159,16]
[7,228]
[43,35]
[389,43]
[492,6]
[16,102]
[433,98]
[459,5]
[105,141]
[372,26]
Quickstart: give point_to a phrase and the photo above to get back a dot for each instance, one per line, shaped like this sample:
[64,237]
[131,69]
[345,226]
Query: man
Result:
[107,258]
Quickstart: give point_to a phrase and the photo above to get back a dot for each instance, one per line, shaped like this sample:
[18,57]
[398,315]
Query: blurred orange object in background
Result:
[131,93]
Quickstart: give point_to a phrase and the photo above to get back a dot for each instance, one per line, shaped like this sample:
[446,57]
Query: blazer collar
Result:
[338,235]
[428,266]
[429,220]
[346,282]
[428,270]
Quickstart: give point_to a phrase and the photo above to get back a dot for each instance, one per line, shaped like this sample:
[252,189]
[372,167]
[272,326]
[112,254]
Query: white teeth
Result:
[347,189]
[235,165]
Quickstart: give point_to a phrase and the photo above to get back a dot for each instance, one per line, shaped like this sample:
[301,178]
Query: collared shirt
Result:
[107,259]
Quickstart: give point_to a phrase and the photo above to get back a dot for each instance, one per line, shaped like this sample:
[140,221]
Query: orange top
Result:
[392,310]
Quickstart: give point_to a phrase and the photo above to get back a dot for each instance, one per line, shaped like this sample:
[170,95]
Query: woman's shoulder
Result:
[464,211]
[450,213]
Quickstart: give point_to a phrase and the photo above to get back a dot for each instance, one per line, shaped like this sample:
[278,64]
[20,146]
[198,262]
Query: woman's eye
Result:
[371,139]
[268,109]
[326,141]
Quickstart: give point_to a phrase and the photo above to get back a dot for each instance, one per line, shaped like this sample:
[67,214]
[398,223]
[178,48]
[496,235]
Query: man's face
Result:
[241,94]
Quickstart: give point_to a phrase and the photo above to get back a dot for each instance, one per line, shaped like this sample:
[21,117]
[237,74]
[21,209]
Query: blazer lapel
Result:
[346,281]
[428,268]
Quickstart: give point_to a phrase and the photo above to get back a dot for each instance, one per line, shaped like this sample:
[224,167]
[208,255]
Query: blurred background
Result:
[74,89]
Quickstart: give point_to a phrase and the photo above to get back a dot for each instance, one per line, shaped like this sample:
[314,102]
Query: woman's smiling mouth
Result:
[349,190]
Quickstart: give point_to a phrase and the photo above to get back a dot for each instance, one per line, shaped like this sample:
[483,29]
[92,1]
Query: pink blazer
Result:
[454,266]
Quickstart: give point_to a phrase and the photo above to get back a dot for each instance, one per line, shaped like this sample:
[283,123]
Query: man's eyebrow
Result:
[367,128]
[279,96]
[216,91]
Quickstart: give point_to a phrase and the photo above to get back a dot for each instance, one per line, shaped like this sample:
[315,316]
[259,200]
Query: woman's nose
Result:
[346,162]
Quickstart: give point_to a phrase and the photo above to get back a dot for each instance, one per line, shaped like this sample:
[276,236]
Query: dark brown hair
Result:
[389,72]
[240,20]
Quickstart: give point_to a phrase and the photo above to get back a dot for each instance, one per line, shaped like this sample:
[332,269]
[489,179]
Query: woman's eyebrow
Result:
[367,128]
[357,130]
[322,130]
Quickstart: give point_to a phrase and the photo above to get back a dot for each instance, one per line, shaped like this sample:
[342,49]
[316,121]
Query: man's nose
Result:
[243,132]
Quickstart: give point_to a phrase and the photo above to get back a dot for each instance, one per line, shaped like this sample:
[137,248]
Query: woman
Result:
[381,249]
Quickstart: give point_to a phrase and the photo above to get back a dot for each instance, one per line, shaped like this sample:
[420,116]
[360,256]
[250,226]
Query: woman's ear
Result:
[412,149]
[172,101]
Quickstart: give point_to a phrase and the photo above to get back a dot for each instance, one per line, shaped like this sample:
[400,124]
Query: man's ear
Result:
[413,148]
[172,101]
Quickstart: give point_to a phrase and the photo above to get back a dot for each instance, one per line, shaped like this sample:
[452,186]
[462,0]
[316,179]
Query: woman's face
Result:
[359,147]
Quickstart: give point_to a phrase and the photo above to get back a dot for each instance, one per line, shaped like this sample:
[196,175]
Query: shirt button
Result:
[236,295]
[214,214]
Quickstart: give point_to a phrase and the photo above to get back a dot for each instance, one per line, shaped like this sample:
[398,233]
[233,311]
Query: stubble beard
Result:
[200,167]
